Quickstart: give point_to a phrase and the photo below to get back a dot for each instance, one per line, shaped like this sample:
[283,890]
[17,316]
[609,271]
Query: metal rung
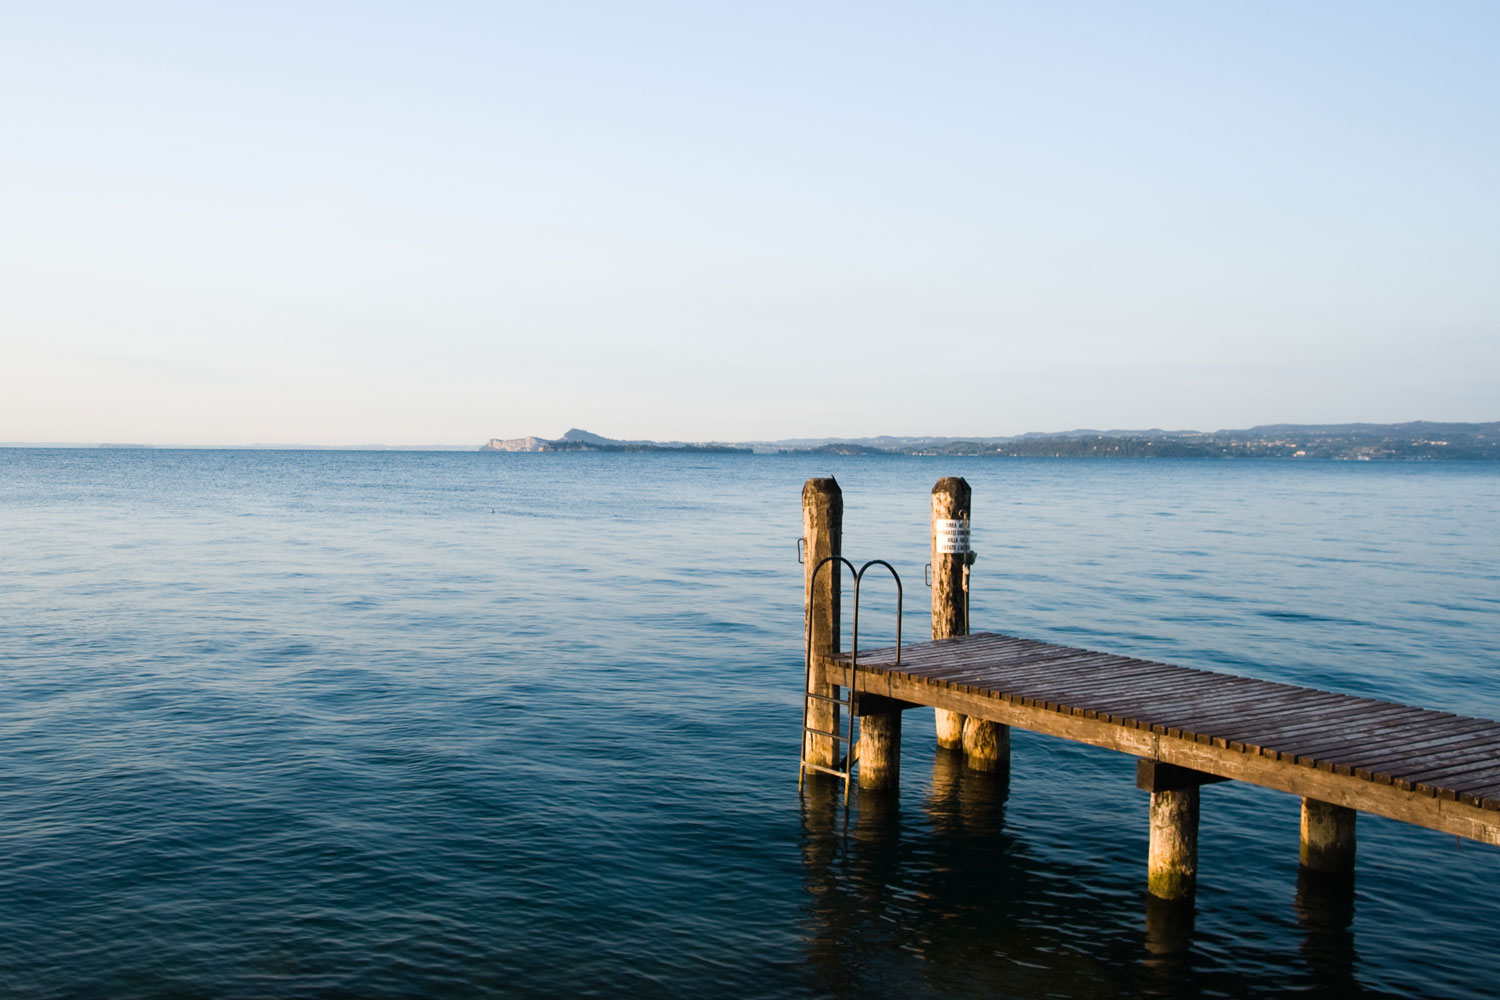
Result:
[827,770]
[825,697]
[823,732]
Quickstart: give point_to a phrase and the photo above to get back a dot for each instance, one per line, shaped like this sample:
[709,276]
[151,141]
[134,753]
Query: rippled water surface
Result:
[326,724]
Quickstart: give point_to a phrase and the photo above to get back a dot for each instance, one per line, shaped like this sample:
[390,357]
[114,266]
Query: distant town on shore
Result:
[1415,441]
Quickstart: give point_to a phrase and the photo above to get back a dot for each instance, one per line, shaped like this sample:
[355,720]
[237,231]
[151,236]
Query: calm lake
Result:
[398,724]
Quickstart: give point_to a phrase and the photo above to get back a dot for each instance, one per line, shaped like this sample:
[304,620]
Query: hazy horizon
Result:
[455,446]
[349,224]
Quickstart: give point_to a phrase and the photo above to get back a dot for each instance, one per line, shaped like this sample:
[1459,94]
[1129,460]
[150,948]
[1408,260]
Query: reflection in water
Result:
[939,885]
[825,877]
[961,799]
[940,898]
[1168,961]
[1325,910]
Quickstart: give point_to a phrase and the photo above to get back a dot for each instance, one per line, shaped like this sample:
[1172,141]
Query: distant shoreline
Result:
[824,452]
[1415,441]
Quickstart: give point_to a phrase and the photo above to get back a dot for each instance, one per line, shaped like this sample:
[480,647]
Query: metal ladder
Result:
[851,704]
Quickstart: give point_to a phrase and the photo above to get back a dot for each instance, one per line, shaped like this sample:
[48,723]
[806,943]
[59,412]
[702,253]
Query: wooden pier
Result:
[1342,754]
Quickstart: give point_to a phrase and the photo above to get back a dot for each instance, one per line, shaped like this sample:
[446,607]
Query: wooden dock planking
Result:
[1432,769]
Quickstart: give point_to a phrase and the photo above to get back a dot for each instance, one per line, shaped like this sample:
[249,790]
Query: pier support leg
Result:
[880,750]
[822,534]
[950,729]
[1172,867]
[1327,837]
[986,745]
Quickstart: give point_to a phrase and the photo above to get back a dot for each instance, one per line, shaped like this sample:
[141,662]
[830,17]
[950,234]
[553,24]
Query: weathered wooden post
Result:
[1172,869]
[1173,864]
[879,744]
[986,745]
[822,536]
[1327,837]
[950,503]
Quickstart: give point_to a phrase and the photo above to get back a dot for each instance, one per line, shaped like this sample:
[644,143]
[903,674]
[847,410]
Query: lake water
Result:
[336,724]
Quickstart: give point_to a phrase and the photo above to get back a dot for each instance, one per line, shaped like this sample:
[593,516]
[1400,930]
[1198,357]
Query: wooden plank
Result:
[1227,695]
[1130,697]
[1485,795]
[1452,768]
[1252,736]
[1052,672]
[1077,671]
[1416,733]
[1121,674]
[1301,735]
[1397,749]
[1228,728]
[1251,726]
[1437,761]
[1036,669]
[1084,693]
[1253,717]
[1452,786]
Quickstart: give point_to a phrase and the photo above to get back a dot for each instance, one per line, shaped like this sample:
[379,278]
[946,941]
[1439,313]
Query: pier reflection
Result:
[941,895]
[1167,964]
[1325,911]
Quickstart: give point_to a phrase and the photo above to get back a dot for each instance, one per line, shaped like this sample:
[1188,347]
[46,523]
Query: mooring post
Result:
[1327,837]
[1172,868]
[986,745]
[822,536]
[950,503]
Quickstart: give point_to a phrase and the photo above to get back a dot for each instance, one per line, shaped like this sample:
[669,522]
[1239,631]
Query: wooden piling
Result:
[1172,866]
[1327,837]
[822,534]
[950,502]
[879,747]
[986,745]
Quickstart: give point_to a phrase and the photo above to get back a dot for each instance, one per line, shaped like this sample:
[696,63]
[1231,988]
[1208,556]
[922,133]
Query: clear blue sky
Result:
[436,223]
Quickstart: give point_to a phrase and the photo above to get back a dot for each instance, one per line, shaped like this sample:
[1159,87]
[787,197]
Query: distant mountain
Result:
[581,440]
[513,444]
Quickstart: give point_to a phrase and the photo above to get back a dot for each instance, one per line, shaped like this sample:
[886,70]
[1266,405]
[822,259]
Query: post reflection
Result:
[1167,963]
[825,879]
[1325,910]
[943,884]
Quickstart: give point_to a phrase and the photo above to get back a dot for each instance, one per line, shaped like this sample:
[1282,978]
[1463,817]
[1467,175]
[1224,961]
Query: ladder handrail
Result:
[854,640]
[848,741]
[853,685]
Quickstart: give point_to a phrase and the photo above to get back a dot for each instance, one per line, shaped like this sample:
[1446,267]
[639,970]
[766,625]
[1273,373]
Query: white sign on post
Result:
[952,536]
